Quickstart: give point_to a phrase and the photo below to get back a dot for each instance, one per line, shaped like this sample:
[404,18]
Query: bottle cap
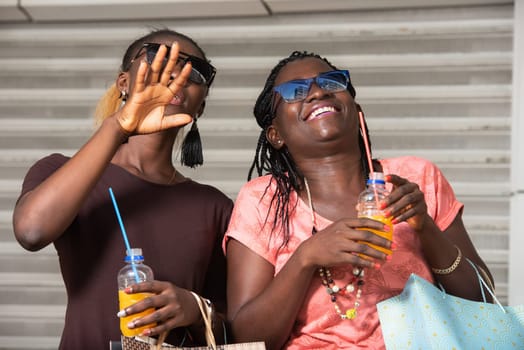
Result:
[376,178]
[134,254]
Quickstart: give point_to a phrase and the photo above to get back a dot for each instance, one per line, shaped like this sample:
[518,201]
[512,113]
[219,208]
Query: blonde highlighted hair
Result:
[109,104]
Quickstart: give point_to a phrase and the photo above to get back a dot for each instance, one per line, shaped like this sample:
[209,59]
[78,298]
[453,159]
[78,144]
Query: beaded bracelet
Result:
[453,266]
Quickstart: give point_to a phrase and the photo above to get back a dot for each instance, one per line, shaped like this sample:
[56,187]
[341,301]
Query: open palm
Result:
[154,89]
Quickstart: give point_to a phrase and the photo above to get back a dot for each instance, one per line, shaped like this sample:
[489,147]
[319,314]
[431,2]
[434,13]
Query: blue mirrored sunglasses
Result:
[297,90]
[202,72]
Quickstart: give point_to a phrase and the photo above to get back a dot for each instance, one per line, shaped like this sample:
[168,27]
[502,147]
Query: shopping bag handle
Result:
[206,316]
[483,285]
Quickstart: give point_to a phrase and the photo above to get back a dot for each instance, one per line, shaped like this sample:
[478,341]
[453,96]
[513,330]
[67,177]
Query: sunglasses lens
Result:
[151,51]
[294,91]
[196,77]
[202,72]
[332,81]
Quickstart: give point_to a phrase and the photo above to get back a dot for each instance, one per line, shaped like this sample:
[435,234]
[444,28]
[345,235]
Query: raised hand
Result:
[406,203]
[153,90]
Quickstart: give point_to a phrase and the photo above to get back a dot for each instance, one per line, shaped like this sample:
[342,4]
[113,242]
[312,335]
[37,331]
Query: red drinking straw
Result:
[366,143]
[368,152]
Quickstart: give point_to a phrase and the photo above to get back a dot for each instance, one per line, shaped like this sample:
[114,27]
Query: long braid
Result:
[279,163]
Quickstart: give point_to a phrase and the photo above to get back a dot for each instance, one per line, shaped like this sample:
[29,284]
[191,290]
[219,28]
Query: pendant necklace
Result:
[355,283]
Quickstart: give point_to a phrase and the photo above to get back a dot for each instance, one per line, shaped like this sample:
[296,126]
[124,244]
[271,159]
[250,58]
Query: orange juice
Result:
[388,235]
[127,300]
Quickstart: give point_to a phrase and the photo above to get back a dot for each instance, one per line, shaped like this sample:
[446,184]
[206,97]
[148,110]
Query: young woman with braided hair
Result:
[294,233]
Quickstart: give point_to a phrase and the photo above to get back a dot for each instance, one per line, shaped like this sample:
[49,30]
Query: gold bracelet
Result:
[450,269]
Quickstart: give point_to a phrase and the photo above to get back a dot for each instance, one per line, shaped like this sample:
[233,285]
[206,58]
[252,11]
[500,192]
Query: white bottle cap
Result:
[134,252]
[376,176]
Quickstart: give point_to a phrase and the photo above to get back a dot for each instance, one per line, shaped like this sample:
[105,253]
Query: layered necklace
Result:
[355,283]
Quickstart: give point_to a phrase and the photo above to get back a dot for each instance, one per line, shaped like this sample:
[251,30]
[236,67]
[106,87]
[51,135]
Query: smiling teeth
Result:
[319,111]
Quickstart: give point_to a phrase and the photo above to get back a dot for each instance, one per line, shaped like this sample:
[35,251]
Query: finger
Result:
[161,327]
[150,319]
[365,254]
[144,287]
[170,65]
[410,211]
[140,82]
[181,79]
[401,196]
[363,222]
[176,120]
[139,306]
[365,236]
[158,62]
[395,179]
[408,197]
[166,317]
[157,330]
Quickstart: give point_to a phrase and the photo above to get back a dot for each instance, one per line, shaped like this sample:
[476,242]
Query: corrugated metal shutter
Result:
[434,82]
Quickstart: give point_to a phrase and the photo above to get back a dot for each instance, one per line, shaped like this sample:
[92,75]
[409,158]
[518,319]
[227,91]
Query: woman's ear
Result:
[274,138]
[122,82]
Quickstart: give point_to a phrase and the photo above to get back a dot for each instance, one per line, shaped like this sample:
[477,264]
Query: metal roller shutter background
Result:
[434,81]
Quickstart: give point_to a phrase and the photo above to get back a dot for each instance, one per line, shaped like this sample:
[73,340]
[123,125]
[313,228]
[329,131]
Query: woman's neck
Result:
[147,156]
[335,184]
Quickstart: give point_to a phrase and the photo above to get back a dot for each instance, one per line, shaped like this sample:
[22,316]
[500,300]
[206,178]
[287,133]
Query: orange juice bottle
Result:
[135,271]
[367,207]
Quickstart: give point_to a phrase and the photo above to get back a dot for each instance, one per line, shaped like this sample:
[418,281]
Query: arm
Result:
[43,214]
[440,252]
[407,203]
[264,306]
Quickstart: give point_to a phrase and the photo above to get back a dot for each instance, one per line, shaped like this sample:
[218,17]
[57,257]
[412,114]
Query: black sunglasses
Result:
[202,72]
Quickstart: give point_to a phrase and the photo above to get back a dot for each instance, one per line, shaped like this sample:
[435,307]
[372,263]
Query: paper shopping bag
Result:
[425,317]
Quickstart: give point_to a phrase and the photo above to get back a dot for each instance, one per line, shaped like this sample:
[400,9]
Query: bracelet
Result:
[453,266]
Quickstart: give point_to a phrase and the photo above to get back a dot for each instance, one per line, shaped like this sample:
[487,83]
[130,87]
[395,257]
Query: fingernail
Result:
[395,221]
[377,266]
[386,228]
[393,245]
[128,290]
[131,324]
[121,313]
[387,213]
[146,332]
[382,205]
[388,257]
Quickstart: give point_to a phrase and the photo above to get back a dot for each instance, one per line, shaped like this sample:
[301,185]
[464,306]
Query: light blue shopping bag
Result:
[425,317]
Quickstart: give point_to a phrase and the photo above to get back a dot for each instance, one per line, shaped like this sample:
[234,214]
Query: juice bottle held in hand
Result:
[135,271]
[367,207]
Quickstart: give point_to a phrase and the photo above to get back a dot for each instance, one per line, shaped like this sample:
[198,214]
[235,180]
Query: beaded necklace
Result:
[327,280]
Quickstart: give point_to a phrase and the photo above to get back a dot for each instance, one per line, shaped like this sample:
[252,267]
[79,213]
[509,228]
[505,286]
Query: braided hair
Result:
[279,162]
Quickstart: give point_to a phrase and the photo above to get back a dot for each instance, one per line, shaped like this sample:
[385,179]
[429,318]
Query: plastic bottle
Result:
[367,207]
[135,271]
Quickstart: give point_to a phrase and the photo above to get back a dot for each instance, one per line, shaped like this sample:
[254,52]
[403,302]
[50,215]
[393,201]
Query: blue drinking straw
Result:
[124,234]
